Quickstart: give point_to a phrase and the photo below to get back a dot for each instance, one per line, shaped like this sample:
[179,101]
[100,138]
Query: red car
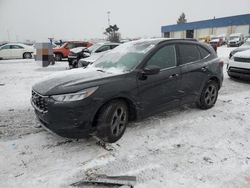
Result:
[63,51]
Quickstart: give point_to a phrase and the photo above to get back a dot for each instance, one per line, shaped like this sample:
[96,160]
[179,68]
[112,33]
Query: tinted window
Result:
[103,48]
[164,57]
[204,53]
[16,47]
[71,45]
[113,46]
[189,53]
[6,47]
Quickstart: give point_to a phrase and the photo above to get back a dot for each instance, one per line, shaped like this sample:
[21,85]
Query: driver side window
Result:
[165,57]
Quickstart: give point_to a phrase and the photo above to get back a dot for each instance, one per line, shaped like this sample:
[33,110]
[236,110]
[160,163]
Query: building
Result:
[217,26]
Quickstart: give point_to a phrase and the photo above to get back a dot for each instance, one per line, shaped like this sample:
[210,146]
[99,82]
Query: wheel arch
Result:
[130,104]
[27,53]
[216,79]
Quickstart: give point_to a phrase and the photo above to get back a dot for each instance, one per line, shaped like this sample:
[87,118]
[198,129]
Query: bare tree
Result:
[182,19]
[112,33]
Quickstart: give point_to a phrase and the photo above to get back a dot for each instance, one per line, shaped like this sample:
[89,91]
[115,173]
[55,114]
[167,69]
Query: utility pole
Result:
[8,35]
[108,17]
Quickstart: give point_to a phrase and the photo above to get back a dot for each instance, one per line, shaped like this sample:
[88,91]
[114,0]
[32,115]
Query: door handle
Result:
[204,69]
[173,76]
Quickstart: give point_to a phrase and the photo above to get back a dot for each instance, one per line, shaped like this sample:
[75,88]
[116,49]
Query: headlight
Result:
[75,96]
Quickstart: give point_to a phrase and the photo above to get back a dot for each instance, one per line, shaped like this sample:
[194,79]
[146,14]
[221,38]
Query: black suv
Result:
[131,82]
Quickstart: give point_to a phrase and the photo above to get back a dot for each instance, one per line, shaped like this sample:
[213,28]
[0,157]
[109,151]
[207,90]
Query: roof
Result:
[218,22]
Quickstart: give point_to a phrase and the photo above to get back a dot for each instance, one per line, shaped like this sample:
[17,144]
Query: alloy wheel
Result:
[118,122]
[210,95]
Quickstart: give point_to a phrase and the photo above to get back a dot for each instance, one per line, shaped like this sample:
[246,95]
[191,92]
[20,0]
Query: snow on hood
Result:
[77,50]
[244,54]
[234,40]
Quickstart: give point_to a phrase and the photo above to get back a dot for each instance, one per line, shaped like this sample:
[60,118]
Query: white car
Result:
[90,60]
[239,65]
[16,51]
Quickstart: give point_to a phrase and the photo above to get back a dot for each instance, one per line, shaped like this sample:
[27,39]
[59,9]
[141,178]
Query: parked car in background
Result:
[16,51]
[78,53]
[239,65]
[216,41]
[243,47]
[63,51]
[135,80]
[84,62]
[235,40]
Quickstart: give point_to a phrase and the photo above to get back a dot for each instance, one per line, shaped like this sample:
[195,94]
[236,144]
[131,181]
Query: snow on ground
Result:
[185,147]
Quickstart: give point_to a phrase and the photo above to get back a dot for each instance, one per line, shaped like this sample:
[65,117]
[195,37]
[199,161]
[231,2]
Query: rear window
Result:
[189,53]
[204,52]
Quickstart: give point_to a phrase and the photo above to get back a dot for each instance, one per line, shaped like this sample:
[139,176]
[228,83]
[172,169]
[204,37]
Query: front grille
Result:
[39,102]
[240,59]
[239,70]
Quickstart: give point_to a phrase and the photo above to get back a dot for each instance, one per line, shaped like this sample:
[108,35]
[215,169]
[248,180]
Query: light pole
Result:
[108,17]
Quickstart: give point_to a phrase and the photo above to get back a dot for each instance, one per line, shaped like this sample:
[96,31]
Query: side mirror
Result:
[151,70]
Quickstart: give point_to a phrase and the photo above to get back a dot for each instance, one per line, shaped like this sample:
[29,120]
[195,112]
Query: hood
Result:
[240,49]
[243,54]
[234,40]
[70,81]
[77,50]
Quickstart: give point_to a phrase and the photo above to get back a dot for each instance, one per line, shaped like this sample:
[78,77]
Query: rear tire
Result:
[112,121]
[27,55]
[209,95]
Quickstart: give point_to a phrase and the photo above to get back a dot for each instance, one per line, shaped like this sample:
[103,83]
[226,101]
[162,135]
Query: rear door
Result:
[5,52]
[194,70]
[159,92]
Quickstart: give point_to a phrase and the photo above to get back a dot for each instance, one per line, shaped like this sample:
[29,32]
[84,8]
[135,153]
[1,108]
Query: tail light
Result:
[221,63]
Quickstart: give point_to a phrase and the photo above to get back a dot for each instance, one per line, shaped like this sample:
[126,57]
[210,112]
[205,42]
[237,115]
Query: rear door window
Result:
[204,53]
[188,53]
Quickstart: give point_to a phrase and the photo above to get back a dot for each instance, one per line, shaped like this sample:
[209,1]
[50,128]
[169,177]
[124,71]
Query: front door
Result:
[160,91]
[17,51]
[5,52]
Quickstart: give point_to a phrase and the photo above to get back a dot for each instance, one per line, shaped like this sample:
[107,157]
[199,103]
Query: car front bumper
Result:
[239,69]
[68,119]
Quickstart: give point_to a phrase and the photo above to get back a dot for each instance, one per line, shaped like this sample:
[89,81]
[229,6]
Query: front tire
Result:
[112,121]
[58,57]
[209,95]
[27,55]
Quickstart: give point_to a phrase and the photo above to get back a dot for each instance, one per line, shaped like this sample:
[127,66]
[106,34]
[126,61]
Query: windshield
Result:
[94,47]
[126,56]
[234,38]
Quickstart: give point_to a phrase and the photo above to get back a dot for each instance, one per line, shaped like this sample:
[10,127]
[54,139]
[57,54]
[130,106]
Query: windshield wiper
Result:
[100,70]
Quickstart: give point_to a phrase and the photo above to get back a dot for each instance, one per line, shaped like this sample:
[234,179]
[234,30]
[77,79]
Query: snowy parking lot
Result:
[185,147]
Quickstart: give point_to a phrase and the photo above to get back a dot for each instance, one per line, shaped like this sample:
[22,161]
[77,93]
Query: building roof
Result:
[218,22]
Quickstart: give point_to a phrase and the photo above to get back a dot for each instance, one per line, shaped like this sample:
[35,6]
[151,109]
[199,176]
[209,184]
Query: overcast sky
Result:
[81,19]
